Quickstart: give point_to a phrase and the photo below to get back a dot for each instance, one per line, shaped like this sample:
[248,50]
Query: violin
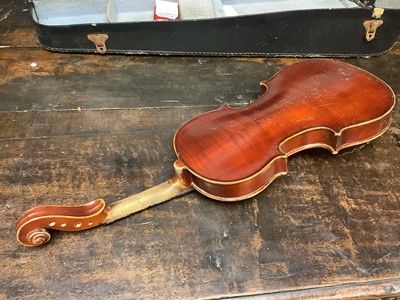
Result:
[231,154]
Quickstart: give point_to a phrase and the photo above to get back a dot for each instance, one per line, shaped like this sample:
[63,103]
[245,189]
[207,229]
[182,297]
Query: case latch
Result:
[370,28]
[99,39]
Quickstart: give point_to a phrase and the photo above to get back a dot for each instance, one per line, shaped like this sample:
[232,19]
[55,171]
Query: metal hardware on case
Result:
[99,39]
[370,28]
[378,12]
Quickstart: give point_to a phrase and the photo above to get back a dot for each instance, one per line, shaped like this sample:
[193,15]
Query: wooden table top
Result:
[76,127]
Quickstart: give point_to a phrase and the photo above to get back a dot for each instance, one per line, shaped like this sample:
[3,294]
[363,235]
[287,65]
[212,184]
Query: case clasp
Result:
[99,39]
[370,28]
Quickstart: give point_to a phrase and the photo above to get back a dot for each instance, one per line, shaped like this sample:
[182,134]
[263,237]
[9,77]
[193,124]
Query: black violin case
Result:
[273,28]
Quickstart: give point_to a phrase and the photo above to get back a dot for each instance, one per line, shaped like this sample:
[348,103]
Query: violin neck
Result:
[153,196]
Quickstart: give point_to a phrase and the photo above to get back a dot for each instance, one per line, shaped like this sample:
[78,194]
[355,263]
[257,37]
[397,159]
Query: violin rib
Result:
[234,154]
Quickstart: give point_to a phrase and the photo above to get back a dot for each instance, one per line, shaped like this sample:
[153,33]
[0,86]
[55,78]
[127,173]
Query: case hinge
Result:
[378,12]
[99,39]
[370,28]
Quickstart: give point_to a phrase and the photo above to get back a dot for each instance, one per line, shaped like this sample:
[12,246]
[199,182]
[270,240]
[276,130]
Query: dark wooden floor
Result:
[76,127]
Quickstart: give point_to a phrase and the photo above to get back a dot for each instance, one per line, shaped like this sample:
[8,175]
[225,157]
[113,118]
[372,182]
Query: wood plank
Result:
[380,289]
[48,124]
[333,220]
[16,28]
[76,127]
[42,80]
[63,81]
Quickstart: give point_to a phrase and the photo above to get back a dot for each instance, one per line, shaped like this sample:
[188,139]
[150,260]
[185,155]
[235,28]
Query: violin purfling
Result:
[233,154]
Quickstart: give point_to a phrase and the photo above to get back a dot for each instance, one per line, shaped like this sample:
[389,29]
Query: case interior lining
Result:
[61,12]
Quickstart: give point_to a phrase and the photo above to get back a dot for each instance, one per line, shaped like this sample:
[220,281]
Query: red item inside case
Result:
[166,11]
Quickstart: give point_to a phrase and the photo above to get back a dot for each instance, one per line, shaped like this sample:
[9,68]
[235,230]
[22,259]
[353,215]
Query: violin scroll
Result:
[33,224]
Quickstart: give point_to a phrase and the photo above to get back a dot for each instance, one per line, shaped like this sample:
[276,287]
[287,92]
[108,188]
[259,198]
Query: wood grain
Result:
[16,28]
[80,127]
[319,102]
[101,82]
[336,211]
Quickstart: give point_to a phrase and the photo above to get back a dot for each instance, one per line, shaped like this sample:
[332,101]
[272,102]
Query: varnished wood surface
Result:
[78,127]
[306,98]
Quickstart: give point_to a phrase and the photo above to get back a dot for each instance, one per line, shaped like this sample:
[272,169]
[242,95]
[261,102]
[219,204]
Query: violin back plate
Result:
[315,103]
